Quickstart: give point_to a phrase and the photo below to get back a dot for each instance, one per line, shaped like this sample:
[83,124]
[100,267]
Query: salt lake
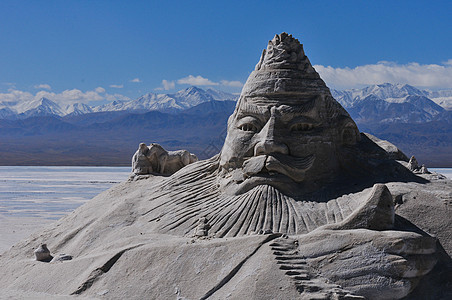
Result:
[32,197]
[53,191]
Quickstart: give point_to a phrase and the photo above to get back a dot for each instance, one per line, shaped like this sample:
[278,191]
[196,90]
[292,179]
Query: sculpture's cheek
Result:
[237,146]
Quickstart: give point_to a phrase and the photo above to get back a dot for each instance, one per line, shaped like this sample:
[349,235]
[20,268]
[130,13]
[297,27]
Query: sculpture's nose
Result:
[268,139]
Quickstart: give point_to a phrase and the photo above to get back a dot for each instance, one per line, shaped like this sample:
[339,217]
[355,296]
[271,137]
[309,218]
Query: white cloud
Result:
[166,85]
[15,96]
[201,81]
[66,97]
[42,86]
[231,83]
[423,76]
[113,97]
[99,90]
[10,85]
[135,80]
[196,80]
[117,86]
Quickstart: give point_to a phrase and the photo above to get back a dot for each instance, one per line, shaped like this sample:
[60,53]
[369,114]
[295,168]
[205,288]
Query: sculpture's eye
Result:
[301,127]
[248,127]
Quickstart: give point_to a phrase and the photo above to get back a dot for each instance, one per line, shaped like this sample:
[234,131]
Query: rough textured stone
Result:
[154,159]
[61,257]
[42,253]
[413,164]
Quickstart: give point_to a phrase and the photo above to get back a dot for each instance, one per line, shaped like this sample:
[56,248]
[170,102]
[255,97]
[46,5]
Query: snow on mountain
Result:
[441,97]
[162,102]
[373,109]
[221,96]
[425,104]
[183,99]
[76,109]
[112,106]
[387,91]
[404,99]
[345,98]
[192,96]
[39,108]
[152,101]
[392,91]
[7,113]
[388,103]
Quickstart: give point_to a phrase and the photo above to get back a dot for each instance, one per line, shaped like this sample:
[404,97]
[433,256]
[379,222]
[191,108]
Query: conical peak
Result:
[284,70]
[283,52]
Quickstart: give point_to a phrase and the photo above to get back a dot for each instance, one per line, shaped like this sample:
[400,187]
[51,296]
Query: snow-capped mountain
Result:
[220,95]
[382,103]
[388,103]
[183,99]
[153,102]
[39,108]
[441,97]
[179,101]
[112,106]
[7,113]
[76,109]
[387,91]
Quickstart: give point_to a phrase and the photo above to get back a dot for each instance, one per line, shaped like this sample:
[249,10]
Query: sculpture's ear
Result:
[349,134]
[231,118]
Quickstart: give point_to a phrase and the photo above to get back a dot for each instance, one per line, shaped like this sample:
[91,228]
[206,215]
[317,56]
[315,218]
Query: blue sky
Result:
[98,50]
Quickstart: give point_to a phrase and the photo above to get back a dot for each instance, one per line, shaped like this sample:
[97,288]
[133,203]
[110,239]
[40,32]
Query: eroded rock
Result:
[413,164]
[156,160]
[42,253]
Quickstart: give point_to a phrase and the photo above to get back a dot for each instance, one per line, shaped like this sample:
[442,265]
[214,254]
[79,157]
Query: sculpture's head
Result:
[286,128]
[142,148]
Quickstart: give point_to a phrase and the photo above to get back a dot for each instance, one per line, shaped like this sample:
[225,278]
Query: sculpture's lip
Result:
[268,177]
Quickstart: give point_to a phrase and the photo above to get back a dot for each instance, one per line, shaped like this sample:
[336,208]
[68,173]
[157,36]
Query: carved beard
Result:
[193,193]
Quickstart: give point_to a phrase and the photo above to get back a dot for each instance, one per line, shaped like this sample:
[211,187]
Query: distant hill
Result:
[109,135]
[111,138]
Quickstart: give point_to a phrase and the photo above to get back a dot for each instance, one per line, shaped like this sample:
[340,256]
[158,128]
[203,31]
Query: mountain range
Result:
[181,100]
[391,103]
[43,133]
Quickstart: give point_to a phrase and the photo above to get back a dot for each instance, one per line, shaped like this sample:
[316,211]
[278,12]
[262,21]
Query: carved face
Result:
[281,143]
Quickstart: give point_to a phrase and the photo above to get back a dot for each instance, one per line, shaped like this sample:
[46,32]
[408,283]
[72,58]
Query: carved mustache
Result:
[293,167]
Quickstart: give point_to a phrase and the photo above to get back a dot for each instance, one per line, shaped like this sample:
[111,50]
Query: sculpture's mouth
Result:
[277,167]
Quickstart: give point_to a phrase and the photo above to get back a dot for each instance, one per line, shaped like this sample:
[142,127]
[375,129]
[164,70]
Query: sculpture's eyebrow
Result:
[247,109]
[291,111]
[296,110]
